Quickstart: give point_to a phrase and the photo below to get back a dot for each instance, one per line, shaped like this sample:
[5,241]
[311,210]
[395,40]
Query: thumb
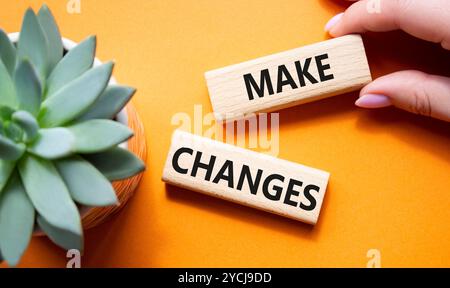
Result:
[413,91]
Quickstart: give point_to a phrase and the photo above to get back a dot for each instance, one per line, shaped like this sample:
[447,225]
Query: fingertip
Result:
[411,90]
[332,23]
[373,101]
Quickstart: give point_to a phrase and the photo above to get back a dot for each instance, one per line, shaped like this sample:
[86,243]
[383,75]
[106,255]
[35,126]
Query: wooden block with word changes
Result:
[245,177]
[289,78]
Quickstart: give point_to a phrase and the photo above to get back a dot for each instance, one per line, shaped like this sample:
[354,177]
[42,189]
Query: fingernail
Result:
[333,21]
[373,101]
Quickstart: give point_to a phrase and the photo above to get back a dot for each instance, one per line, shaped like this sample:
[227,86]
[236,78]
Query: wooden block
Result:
[246,177]
[289,78]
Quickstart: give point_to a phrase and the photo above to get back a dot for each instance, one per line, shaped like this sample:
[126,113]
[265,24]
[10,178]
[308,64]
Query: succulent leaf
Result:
[28,123]
[109,103]
[86,184]
[98,135]
[6,168]
[13,132]
[33,44]
[9,150]
[6,113]
[53,143]
[51,31]
[75,98]
[49,194]
[7,92]
[76,62]
[63,238]
[116,163]
[16,220]
[7,52]
[28,87]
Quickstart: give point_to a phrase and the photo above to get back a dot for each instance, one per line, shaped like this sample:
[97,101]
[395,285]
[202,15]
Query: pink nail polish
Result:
[373,101]
[333,21]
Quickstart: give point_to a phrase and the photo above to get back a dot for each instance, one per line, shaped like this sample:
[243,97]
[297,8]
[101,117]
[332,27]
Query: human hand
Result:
[410,90]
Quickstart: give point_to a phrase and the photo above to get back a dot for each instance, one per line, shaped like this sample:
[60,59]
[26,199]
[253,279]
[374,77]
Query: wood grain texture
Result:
[345,56]
[284,188]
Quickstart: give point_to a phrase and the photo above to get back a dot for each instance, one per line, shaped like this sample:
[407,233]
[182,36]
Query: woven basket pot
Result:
[92,217]
[124,188]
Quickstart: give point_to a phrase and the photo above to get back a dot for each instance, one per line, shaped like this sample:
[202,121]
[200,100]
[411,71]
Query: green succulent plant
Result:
[59,144]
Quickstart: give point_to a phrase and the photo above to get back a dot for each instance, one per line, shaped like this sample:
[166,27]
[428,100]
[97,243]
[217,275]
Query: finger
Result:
[425,19]
[413,91]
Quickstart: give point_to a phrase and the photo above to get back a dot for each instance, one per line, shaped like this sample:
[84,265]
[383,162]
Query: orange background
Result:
[389,186]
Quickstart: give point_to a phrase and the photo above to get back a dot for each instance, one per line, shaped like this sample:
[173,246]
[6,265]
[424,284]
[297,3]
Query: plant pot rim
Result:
[68,44]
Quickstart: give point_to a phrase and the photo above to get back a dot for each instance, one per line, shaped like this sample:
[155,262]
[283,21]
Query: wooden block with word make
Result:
[289,78]
[245,177]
